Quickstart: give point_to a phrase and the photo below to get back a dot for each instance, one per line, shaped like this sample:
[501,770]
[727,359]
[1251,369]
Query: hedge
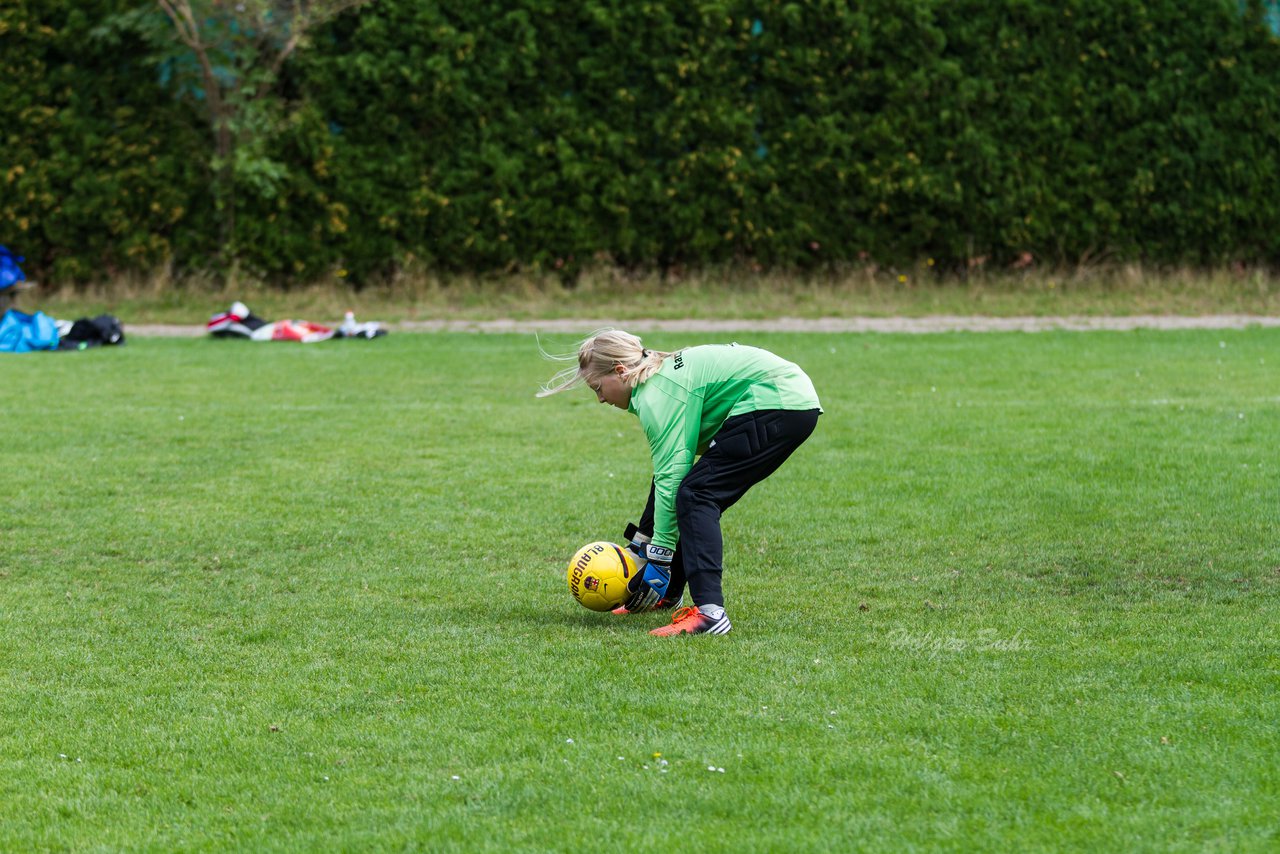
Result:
[100,171]
[489,135]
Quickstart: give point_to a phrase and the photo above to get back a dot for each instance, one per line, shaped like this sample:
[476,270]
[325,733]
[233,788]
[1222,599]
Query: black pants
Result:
[747,449]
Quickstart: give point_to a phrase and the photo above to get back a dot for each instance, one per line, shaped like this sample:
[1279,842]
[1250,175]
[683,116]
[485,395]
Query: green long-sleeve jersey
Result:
[684,404]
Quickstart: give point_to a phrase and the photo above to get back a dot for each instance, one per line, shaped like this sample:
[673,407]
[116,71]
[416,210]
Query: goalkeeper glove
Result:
[651,583]
[636,541]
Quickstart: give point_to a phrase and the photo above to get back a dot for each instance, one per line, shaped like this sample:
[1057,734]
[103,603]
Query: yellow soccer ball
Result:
[598,575]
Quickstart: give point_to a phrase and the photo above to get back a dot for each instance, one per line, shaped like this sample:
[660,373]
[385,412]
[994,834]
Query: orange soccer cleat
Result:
[694,622]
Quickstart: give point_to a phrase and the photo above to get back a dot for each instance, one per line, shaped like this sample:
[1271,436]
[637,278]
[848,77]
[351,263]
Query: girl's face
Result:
[611,389]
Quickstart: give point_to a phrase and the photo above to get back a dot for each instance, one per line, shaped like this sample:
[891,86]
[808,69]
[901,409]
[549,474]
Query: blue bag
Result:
[21,332]
[10,272]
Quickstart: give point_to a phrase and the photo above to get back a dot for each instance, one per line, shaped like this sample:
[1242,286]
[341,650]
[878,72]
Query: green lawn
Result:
[1019,592]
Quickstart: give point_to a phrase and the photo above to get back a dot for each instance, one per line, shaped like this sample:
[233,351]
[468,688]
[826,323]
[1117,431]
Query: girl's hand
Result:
[636,541]
[652,582]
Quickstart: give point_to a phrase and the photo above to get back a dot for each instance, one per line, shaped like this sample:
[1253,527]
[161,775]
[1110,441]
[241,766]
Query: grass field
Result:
[1019,592]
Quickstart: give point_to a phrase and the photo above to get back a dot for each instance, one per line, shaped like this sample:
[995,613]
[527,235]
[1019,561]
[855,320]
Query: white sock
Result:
[715,612]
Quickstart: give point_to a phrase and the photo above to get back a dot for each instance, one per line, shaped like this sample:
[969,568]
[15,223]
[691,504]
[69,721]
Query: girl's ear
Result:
[619,369]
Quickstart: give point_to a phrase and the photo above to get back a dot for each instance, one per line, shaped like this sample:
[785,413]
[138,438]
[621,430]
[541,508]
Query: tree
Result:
[231,53]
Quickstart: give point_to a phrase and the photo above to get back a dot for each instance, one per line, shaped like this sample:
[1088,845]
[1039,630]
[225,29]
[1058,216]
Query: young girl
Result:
[719,419]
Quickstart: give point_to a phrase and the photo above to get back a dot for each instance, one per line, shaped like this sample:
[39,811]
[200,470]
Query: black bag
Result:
[92,332]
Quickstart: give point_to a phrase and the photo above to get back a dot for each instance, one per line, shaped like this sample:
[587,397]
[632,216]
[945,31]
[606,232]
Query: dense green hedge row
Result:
[99,169]
[498,134]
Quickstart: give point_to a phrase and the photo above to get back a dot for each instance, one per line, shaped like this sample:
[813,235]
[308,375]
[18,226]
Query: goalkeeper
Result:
[719,419]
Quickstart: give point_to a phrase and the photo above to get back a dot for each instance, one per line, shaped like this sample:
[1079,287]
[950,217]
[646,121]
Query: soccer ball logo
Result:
[598,575]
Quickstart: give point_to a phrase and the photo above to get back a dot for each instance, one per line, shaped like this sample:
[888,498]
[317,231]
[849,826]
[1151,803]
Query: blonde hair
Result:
[598,354]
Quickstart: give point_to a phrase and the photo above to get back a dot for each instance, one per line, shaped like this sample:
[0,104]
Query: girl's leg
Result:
[746,450]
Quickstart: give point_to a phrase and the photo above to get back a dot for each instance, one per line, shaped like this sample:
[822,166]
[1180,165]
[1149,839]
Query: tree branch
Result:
[305,18]
[184,21]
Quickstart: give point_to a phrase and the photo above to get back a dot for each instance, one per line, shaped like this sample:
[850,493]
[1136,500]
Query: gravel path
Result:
[937,323]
